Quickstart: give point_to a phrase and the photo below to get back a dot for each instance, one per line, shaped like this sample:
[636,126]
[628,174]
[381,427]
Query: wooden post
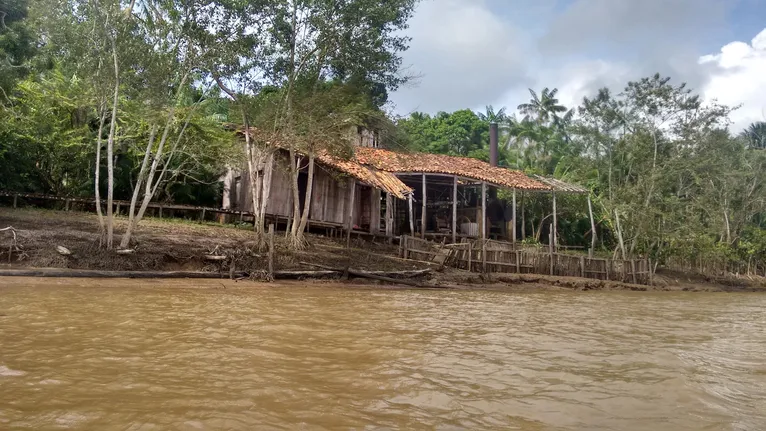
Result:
[203,215]
[412,215]
[66,204]
[118,209]
[651,275]
[350,220]
[607,265]
[633,270]
[374,212]
[271,250]
[550,247]
[555,223]
[404,246]
[160,214]
[470,255]
[15,200]
[423,211]
[389,216]
[513,219]
[483,226]
[241,215]
[592,229]
[523,219]
[454,209]
[518,262]
[582,266]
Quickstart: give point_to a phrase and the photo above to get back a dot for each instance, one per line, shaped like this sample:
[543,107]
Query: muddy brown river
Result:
[150,355]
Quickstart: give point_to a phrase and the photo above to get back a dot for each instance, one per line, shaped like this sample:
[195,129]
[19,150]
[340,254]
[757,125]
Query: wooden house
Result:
[382,192]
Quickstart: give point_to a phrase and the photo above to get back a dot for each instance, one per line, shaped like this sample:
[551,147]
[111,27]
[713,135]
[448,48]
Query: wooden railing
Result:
[491,256]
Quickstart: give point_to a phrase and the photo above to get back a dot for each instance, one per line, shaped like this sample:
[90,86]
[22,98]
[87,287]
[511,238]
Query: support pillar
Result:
[523,219]
[423,211]
[513,219]
[555,224]
[389,215]
[483,226]
[454,210]
[412,215]
[592,229]
[350,217]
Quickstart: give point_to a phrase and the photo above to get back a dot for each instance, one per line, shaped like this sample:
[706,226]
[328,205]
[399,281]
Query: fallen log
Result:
[412,273]
[89,273]
[370,275]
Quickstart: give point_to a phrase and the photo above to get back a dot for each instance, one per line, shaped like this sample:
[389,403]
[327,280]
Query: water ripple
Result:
[295,357]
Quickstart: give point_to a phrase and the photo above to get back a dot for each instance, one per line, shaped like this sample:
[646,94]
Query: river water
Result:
[143,356]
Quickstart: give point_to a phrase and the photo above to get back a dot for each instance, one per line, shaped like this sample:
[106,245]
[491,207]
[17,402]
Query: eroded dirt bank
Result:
[176,245]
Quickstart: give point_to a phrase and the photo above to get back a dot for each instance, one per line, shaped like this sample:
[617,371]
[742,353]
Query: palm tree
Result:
[491,116]
[542,108]
[755,135]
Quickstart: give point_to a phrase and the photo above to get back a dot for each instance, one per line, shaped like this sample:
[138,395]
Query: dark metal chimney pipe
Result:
[493,144]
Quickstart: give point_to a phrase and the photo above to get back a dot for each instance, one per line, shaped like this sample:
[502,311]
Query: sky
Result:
[473,53]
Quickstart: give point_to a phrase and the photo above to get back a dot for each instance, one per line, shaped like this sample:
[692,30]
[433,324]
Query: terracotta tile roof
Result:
[390,161]
[386,181]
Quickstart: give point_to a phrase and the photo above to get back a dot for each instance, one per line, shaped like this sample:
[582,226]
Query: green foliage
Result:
[654,155]
[17,44]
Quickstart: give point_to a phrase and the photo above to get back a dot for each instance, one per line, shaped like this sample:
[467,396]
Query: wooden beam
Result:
[271,250]
[513,219]
[350,219]
[454,210]
[389,215]
[412,215]
[592,229]
[423,211]
[555,223]
[484,226]
[523,219]
[483,222]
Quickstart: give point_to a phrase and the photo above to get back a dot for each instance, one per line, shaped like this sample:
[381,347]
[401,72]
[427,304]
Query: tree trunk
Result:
[294,171]
[619,234]
[307,201]
[101,223]
[266,189]
[110,152]
[150,186]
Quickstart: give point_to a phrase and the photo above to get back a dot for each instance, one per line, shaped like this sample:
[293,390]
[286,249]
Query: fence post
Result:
[550,248]
[203,215]
[633,268]
[15,199]
[518,261]
[582,266]
[271,251]
[470,255]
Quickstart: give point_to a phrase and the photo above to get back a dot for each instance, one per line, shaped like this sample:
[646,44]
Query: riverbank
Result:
[178,246]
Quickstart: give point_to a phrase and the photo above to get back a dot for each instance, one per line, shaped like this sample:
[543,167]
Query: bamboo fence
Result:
[491,256]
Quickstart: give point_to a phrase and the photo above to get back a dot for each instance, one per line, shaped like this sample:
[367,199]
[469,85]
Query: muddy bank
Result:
[176,246]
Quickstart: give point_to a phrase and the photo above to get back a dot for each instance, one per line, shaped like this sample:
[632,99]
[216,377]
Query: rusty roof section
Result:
[561,186]
[386,181]
[390,161]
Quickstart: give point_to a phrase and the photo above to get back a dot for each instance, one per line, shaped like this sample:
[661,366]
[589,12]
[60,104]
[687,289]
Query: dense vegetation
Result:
[135,100]
[669,178]
[149,100]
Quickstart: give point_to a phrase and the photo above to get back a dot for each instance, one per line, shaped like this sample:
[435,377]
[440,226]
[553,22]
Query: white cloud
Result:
[464,54]
[739,78]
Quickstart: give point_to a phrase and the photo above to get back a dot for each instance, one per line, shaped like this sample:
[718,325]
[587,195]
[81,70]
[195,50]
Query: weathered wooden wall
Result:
[329,197]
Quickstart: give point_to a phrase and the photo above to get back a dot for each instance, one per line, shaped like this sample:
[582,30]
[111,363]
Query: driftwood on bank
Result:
[372,275]
[88,273]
